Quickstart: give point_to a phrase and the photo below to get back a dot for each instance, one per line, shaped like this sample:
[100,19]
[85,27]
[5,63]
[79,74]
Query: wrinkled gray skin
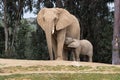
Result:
[78,47]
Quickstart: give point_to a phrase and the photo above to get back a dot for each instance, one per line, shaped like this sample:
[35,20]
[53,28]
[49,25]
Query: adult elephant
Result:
[58,23]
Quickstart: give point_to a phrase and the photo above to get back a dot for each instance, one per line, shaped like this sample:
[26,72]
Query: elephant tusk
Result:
[53,30]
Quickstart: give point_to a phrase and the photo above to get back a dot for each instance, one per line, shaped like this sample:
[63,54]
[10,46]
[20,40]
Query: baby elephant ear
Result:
[64,19]
[74,44]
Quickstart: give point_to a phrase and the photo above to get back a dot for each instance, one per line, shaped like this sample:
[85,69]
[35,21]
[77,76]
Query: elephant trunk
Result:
[49,44]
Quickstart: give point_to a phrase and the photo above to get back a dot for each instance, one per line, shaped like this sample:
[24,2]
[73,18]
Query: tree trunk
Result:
[5,28]
[116,34]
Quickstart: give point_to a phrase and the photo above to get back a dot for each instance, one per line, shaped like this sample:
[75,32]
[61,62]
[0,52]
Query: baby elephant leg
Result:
[90,58]
[77,54]
[73,55]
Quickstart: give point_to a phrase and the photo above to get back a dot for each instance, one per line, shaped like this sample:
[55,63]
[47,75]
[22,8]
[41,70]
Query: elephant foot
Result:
[90,60]
[78,60]
[59,59]
[76,63]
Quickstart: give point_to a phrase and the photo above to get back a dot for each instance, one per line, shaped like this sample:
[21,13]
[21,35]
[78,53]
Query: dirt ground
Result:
[26,63]
[18,62]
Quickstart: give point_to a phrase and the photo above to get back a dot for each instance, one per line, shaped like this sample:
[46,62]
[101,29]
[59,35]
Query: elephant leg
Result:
[65,54]
[90,58]
[60,43]
[77,53]
[73,55]
[54,47]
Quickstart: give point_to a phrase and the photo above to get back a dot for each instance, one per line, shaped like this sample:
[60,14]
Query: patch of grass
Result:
[60,68]
[66,68]
[61,76]
[82,69]
[2,64]
[43,68]
[80,76]
[107,68]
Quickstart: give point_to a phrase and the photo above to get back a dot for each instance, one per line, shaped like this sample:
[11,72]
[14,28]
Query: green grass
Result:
[60,68]
[80,76]
[107,68]
[105,75]
[43,68]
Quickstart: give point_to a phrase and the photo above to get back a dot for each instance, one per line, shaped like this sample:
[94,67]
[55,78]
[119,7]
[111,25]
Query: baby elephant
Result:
[78,47]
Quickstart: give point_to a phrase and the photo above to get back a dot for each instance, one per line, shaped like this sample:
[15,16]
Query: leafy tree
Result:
[1,41]
[13,11]
[23,39]
[39,45]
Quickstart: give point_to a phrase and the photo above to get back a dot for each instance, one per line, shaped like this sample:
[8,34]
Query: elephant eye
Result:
[43,18]
[55,19]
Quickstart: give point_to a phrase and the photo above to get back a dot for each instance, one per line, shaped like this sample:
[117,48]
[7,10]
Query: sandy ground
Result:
[26,63]
[18,62]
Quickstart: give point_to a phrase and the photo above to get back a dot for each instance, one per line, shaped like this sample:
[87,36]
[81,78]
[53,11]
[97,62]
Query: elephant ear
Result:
[74,44]
[40,18]
[64,19]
